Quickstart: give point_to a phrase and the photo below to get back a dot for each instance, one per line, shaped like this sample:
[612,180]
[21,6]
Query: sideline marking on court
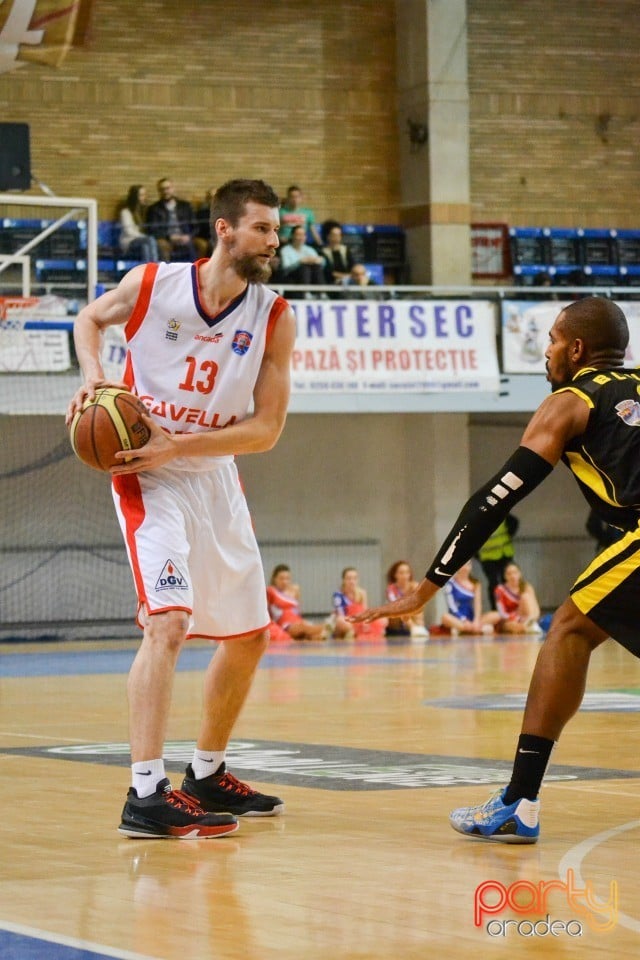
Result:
[38,736]
[78,663]
[572,860]
[72,942]
[596,701]
[592,788]
[325,766]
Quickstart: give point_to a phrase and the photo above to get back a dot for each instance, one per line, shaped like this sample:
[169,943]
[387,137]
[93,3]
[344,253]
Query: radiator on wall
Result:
[316,565]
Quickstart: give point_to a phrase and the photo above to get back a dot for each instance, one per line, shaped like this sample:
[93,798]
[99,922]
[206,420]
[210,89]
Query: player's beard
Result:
[252,269]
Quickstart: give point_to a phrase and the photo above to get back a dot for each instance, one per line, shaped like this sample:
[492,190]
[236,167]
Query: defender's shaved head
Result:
[600,324]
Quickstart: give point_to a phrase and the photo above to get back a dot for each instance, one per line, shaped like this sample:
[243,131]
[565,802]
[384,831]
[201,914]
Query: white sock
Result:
[146,775]
[206,762]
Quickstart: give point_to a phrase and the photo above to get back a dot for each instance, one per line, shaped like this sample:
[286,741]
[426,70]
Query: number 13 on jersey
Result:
[200,377]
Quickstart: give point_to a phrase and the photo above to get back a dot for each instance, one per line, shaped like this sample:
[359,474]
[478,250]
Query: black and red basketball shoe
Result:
[172,814]
[221,791]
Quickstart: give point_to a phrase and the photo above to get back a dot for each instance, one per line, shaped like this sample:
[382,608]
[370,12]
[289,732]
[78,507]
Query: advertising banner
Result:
[25,350]
[40,31]
[525,333]
[410,346]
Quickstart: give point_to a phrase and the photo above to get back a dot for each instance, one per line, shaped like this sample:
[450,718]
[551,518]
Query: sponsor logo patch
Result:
[241,342]
[173,326]
[171,578]
[629,412]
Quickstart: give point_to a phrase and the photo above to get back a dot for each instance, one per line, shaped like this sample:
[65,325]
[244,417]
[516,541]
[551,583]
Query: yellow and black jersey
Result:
[605,459]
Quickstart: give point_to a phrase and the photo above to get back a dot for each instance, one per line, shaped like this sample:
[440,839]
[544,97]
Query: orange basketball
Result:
[109,423]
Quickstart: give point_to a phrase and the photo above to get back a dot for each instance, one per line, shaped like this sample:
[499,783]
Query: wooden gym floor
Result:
[370,746]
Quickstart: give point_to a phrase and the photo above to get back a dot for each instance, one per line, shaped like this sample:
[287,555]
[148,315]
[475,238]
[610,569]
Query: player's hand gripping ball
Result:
[104,426]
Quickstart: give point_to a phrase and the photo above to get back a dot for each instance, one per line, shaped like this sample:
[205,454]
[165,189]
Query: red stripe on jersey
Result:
[139,311]
[127,376]
[127,487]
[278,307]
[196,267]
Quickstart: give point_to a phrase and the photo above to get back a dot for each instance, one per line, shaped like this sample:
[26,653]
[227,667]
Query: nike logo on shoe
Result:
[537,752]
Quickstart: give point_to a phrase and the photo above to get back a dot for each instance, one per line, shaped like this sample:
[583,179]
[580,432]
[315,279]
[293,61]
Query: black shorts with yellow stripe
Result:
[608,592]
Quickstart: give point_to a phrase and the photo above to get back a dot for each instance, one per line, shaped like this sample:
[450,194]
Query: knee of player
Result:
[261,641]
[167,629]
[254,644]
[570,626]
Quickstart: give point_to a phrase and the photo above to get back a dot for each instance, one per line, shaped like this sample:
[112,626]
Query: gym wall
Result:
[306,93]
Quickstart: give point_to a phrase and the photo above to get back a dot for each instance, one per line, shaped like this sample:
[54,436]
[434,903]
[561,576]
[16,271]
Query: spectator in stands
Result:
[299,262]
[202,226]
[360,277]
[349,600]
[464,605]
[539,292]
[283,597]
[400,582]
[170,221]
[293,214]
[517,603]
[337,256]
[135,244]
[360,284]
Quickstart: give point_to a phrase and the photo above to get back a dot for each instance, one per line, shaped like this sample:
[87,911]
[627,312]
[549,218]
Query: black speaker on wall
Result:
[15,160]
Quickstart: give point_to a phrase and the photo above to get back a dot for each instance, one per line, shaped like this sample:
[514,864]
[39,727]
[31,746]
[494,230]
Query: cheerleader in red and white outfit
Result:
[283,597]
[517,603]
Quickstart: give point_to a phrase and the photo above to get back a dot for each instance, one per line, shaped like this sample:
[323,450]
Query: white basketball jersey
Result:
[195,372]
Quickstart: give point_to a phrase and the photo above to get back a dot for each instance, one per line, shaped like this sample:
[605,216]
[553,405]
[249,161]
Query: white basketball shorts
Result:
[191,547]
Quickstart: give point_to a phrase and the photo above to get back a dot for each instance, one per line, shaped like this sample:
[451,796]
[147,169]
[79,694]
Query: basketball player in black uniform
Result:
[591,422]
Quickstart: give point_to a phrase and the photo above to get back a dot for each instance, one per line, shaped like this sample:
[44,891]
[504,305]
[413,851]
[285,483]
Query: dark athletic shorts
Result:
[608,592]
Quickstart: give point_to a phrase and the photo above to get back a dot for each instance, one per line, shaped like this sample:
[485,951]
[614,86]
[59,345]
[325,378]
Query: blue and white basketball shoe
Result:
[494,820]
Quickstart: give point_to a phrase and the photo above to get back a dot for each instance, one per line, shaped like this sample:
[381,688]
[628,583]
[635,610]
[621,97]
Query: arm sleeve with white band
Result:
[485,510]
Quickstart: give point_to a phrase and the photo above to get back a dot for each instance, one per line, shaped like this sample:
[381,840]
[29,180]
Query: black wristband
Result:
[485,510]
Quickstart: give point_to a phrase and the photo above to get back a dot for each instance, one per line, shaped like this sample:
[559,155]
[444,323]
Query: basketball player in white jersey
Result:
[205,340]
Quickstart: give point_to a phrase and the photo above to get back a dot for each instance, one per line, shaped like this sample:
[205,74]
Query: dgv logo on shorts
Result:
[171,578]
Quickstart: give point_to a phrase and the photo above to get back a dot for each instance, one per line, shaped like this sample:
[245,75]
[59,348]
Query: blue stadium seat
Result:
[111,265]
[530,271]
[563,244]
[123,266]
[68,241]
[60,270]
[630,274]
[108,236]
[627,247]
[382,243]
[528,249]
[601,273]
[598,251]
[376,272]
[567,274]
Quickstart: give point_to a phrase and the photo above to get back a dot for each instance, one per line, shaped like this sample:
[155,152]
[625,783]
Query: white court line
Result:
[39,736]
[584,785]
[572,860]
[72,942]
